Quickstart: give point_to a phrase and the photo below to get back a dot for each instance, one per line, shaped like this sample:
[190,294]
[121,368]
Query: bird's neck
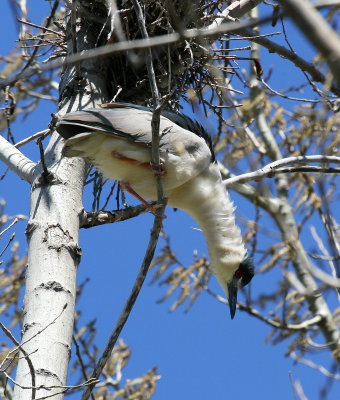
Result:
[215,217]
[212,209]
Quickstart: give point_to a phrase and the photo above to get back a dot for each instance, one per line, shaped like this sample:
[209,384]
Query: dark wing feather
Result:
[132,126]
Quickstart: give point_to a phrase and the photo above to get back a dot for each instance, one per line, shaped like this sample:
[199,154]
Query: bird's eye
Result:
[238,274]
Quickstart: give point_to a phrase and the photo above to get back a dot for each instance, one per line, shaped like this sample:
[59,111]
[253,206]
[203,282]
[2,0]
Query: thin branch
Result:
[292,385]
[139,44]
[149,64]
[36,388]
[273,323]
[251,135]
[157,225]
[81,363]
[43,133]
[8,333]
[318,32]
[282,51]
[127,307]
[8,243]
[235,10]
[90,219]
[155,157]
[74,36]
[265,84]
[291,327]
[324,277]
[324,258]
[296,283]
[33,55]
[35,335]
[276,167]
[40,27]
[324,250]
[10,226]
[317,345]
[42,158]
[311,364]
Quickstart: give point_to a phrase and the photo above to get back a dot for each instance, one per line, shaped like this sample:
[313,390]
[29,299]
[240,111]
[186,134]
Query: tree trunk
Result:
[53,232]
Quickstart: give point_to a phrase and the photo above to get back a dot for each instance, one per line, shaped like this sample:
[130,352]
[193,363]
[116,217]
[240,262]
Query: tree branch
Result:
[317,31]
[138,44]
[157,225]
[311,364]
[236,9]
[275,167]
[273,323]
[16,161]
[90,219]
[282,51]
[283,215]
[37,135]
[8,333]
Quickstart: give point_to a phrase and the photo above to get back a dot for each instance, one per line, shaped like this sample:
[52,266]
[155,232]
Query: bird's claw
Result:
[154,207]
[158,169]
[151,207]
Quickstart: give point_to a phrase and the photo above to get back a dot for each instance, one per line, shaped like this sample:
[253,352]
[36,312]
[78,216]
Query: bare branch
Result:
[10,226]
[138,44]
[43,133]
[157,225]
[318,31]
[235,10]
[8,333]
[282,51]
[90,219]
[8,243]
[276,167]
[274,323]
[265,84]
[311,364]
[16,161]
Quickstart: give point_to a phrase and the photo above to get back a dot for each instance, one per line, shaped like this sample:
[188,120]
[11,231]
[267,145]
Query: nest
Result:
[187,69]
[181,68]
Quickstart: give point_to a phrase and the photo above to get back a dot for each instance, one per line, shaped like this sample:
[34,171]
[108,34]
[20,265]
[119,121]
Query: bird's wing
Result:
[133,125]
[127,123]
[178,118]
[102,135]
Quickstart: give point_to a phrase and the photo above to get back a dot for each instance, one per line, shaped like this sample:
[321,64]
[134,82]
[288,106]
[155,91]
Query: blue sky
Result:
[201,354]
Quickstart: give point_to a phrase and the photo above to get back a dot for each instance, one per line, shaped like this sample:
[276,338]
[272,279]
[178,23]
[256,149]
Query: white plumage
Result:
[117,140]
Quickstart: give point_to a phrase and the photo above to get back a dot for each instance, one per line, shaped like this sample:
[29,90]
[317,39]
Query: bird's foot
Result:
[158,169]
[151,207]
[154,207]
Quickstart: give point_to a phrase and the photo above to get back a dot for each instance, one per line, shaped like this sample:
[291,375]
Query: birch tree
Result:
[282,159]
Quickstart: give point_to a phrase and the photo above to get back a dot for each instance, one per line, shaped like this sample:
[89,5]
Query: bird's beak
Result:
[232,296]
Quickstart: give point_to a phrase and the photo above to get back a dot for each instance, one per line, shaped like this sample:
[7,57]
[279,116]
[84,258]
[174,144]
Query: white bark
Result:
[53,233]
[53,257]
[16,161]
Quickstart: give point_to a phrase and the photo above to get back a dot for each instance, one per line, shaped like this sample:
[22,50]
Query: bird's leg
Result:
[152,208]
[157,169]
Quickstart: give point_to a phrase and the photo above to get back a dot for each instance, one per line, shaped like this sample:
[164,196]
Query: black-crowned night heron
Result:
[117,140]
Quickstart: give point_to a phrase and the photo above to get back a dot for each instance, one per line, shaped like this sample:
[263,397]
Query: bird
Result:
[117,139]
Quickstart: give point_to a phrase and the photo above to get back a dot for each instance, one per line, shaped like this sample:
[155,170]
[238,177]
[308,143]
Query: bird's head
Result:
[241,277]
